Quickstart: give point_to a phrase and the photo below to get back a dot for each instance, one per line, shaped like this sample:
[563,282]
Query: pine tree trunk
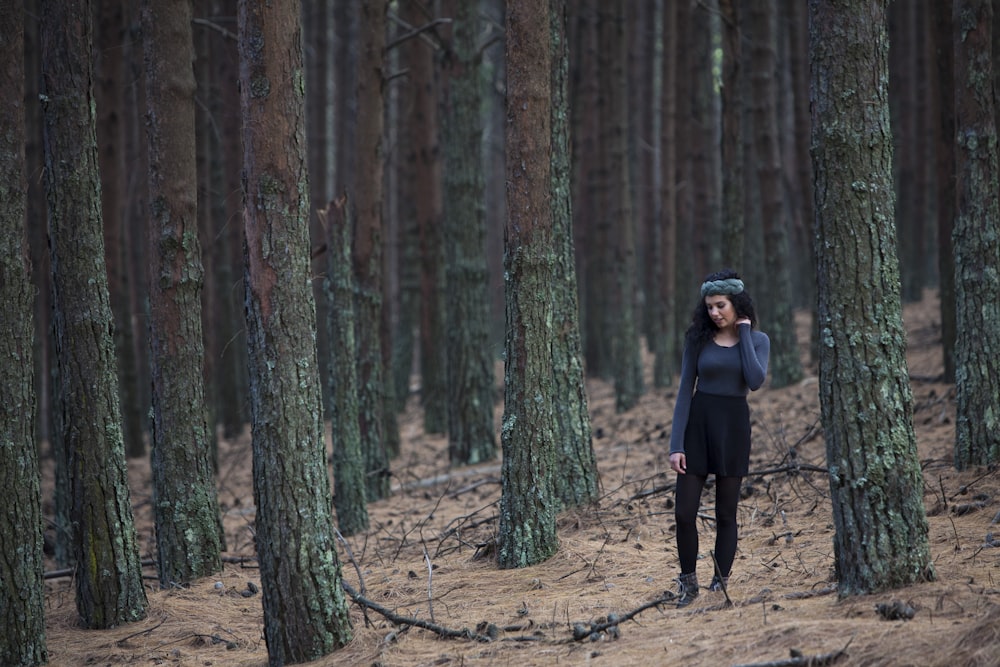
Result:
[578,481]
[22,595]
[350,491]
[945,178]
[665,346]
[109,588]
[785,366]
[471,433]
[528,506]
[976,240]
[185,506]
[305,611]
[368,249]
[867,408]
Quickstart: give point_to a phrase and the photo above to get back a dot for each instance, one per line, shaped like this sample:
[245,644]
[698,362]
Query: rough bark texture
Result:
[185,506]
[776,299]
[578,481]
[528,506]
[109,588]
[350,492]
[976,240]
[22,595]
[368,240]
[471,432]
[867,408]
[305,611]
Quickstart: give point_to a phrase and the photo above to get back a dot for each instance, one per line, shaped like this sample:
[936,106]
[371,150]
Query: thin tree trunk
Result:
[350,489]
[185,505]
[785,366]
[578,481]
[471,432]
[367,257]
[976,239]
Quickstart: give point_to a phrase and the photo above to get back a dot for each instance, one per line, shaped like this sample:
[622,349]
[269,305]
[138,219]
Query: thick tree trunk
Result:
[109,588]
[733,228]
[305,611]
[976,240]
[471,432]
[867,408]
[22,595]
[185,505]
[528,506]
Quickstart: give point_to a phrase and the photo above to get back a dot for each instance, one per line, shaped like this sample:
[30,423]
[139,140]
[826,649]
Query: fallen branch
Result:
[611,623]
[393,617]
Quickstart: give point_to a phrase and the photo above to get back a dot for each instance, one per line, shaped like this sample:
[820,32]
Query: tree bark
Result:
[976,239]
[471,431]
[867,408]
[578,481]
[350,491]
[109,588]
[185,506]
[22,595]
[368,239]
[305,610]
[528,506]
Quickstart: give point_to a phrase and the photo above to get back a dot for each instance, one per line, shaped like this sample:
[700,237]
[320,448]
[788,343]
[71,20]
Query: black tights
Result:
[727,497]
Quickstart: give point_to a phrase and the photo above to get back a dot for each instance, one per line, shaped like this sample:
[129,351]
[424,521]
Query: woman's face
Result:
[721,310]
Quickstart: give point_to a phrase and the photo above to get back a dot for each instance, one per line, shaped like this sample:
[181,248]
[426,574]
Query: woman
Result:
[724,359]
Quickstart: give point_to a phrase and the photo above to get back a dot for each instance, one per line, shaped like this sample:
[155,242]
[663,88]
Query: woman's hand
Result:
[743,320]
[678,463]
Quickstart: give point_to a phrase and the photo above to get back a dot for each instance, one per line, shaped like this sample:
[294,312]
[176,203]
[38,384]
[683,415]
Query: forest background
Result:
[676,170]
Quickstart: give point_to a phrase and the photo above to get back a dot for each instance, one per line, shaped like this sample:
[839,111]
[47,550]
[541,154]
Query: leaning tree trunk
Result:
[976,240]
[867,408]
[185,506]
[109,588]
[305,611]
[22,595]
[528,506]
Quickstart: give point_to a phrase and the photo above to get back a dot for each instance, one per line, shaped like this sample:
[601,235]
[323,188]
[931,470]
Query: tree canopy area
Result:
[279,274]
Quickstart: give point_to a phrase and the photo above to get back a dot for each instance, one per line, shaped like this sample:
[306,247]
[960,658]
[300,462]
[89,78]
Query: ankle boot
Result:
[687,589]
[719,583]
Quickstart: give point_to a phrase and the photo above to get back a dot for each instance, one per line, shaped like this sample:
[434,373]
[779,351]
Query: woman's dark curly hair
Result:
[702,329]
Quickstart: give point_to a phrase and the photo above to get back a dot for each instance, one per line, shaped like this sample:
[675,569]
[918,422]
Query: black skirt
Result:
[717,439]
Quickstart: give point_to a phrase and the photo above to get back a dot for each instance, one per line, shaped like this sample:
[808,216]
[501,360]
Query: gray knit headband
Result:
[727,286]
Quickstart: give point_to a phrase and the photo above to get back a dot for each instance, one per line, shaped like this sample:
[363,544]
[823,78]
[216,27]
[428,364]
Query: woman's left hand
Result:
[743,320]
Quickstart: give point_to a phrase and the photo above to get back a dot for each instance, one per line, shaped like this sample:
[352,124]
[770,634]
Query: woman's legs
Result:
[688,499]
[727,497]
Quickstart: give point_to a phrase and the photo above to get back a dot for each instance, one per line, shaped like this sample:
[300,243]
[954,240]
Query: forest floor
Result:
[614,557]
